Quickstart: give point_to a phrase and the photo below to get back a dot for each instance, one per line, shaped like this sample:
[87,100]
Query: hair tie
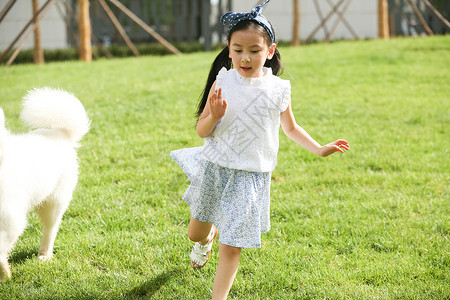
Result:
[234,17]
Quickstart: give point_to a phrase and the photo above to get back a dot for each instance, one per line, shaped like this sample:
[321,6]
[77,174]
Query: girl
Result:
[239,116]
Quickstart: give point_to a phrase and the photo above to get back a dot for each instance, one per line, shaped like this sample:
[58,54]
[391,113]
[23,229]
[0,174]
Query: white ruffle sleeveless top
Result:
[246,138]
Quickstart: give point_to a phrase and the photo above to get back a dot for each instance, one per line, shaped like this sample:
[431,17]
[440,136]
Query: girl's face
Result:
[249,51]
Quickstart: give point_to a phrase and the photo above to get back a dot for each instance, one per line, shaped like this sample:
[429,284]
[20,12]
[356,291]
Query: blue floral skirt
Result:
[237,202]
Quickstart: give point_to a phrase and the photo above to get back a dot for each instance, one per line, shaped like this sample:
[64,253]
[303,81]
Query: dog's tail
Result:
[55,109]
[2,122]
[3,130]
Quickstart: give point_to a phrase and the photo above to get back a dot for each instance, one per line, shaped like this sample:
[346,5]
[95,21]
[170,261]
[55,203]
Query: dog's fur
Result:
[39,169]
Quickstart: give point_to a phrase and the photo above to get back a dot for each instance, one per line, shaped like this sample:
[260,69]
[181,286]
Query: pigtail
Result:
[275,63]
[222,60]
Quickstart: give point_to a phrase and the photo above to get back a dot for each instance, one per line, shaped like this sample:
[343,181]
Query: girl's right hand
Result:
[217,106]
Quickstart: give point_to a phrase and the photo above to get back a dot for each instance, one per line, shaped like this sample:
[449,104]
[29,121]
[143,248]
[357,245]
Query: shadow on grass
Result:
[19,257]
[151,287]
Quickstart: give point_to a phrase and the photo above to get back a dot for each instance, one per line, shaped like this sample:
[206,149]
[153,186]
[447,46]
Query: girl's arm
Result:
[301,137]
[212,113]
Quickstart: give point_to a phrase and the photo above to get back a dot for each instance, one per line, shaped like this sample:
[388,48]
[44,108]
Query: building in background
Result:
[361,15]
[54,32]
[198,20]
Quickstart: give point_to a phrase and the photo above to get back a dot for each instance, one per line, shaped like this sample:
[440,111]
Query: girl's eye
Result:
[238,51]
[255,51]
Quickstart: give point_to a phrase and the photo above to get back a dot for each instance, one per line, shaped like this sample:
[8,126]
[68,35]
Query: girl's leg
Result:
[200,232]
[226,270]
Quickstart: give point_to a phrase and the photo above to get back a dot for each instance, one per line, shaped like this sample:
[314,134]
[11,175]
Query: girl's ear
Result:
[229,52]
[271,51]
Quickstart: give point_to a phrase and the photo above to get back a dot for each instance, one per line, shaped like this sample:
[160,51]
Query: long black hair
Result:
[223,60]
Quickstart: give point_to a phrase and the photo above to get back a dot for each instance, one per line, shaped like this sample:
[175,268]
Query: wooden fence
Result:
[175,20]
[403,21]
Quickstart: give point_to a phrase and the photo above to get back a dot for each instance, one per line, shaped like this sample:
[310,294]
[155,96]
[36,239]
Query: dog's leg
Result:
[51,213]
[5,271]
[11,227]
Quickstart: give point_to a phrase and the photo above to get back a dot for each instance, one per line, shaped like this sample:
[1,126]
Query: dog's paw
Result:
[5,272]
[43,257]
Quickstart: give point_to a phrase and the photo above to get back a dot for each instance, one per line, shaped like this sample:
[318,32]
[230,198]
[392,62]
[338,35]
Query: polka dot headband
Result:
[255,15]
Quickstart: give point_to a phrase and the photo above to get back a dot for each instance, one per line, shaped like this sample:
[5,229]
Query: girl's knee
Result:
[194,236]
[198,231]
[229,251]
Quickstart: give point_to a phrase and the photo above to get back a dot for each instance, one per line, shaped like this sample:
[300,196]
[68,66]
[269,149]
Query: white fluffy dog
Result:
[39,169]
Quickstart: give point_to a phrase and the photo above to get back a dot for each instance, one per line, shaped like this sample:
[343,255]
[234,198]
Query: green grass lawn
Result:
[372,223]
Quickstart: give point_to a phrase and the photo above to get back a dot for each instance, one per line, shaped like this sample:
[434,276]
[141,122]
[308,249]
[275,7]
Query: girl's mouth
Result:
[246,69]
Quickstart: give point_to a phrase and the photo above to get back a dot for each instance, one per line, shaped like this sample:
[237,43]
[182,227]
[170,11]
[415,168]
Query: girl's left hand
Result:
[339,145]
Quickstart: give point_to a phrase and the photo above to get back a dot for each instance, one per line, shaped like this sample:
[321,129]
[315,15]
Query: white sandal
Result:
[200,253]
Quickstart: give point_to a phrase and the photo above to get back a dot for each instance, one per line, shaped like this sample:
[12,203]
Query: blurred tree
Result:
[84,28]
[296,24]
[38,52]
[383,22]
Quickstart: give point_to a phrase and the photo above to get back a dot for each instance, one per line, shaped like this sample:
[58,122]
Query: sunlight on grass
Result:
[370,224]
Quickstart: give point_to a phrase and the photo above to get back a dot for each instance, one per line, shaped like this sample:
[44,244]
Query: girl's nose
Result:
[245,58]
